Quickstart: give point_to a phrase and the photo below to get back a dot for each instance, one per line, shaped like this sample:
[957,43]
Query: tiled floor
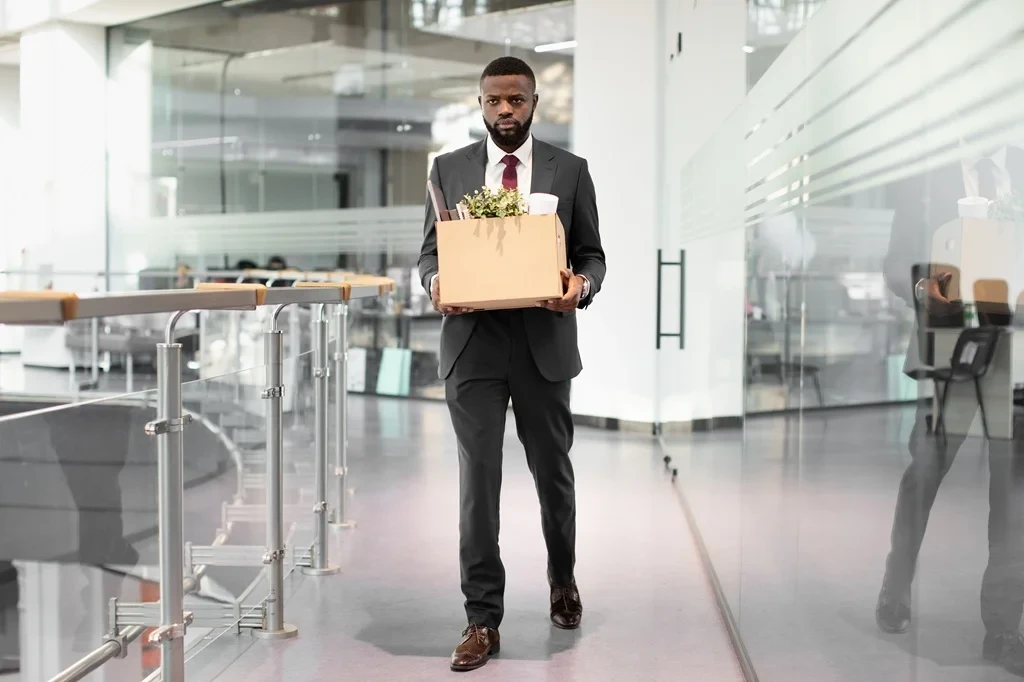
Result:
[396,613]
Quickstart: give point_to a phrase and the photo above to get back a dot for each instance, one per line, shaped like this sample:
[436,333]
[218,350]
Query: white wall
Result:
[10,117]
[615,129]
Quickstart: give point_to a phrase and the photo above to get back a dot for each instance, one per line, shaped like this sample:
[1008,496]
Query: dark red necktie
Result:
[510,178]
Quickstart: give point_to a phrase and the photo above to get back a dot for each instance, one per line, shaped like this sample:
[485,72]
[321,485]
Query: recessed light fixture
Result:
[554,47]
[749,49]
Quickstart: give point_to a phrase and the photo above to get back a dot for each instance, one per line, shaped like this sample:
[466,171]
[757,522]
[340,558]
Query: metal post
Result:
[129,372]
[274,626]
[339,517]
[295,343]
[95,343]
[167,430]
[320,373]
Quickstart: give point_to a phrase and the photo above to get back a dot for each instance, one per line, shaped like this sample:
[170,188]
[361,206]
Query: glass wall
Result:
[241,132]
[874,174]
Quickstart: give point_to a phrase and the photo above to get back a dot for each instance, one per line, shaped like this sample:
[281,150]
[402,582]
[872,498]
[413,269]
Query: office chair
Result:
[972,357]
[992,301]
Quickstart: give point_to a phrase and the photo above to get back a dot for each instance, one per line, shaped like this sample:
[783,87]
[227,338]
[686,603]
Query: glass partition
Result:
[79,513]
[866,522]
[78,485]
[278,134]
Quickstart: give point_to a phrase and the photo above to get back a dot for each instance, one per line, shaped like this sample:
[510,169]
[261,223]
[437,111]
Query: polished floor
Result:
[395,613]
[796,513]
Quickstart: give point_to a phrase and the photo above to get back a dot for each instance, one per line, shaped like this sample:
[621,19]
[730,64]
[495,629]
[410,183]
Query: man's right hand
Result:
[435,299]
[935,291]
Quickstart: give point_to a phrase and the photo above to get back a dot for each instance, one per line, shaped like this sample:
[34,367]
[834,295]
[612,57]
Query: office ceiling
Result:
[525,27]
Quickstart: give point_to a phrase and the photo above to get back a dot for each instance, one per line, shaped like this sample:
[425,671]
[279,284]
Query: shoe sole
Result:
[495,650]
[892,631]
[566,627]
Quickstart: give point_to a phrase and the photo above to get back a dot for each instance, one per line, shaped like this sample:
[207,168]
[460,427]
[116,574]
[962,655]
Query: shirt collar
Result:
[495,154]
[998,158]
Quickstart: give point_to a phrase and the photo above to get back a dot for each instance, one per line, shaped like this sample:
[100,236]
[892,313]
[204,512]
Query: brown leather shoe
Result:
[477,646]
[566,607]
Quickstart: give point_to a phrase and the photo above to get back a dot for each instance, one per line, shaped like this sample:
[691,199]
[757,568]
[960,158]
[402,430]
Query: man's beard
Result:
[513,137]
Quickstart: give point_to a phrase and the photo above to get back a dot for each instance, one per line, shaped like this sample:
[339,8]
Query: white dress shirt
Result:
[496,166]
[1004,186]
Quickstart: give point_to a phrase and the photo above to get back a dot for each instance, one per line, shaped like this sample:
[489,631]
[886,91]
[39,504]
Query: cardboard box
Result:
[500,263]
[986,258]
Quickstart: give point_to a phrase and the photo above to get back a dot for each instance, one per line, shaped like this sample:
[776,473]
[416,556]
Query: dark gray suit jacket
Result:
[552,336]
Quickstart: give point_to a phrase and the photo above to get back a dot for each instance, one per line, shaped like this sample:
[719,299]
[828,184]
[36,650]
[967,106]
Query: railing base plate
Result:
[287,632]
[317,572]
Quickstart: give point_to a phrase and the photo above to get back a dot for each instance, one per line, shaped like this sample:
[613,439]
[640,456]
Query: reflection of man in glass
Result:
[923,204]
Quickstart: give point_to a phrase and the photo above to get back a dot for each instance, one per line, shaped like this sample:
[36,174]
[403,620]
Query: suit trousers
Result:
[496,366]
[1002,588]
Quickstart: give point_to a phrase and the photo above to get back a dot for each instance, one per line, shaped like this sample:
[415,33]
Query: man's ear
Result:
[480,101]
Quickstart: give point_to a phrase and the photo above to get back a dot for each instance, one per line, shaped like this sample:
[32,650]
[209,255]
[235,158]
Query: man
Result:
[922,205]
[529,356]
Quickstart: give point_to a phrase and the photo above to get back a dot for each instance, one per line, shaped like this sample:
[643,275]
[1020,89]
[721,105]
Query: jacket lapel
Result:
[544,167]
[476,157]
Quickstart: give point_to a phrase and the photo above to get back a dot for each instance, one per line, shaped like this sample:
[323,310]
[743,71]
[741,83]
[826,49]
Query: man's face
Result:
[508,103]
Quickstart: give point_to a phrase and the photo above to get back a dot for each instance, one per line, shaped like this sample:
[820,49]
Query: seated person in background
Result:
[278,263]
[247,265]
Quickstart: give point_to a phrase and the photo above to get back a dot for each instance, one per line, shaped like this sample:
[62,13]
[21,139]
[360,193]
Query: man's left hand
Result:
[573,285]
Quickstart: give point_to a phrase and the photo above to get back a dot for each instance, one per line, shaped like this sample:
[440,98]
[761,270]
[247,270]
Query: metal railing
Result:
[182,565]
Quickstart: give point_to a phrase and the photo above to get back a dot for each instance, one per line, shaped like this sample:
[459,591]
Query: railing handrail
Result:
[314,275]
[55,308]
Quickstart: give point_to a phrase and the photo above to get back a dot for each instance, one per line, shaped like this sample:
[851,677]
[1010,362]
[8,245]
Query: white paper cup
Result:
[543,204]
[973,207]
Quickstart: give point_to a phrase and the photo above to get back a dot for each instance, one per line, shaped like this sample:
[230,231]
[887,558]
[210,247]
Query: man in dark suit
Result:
[923,204]
[529,356]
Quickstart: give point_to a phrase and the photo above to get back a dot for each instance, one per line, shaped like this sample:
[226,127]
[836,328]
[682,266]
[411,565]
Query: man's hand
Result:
[935,291]
[435,299]
[573,285]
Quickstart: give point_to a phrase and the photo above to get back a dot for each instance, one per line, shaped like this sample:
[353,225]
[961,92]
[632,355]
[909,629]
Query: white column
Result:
[130,156]
[62,213]
[615,127]
[10,153]
[10,337]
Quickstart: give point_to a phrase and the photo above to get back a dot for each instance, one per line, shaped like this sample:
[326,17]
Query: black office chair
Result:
[972,357]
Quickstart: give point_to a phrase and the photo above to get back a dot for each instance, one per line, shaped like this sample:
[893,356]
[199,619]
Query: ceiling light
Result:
[749,49]
[554,47]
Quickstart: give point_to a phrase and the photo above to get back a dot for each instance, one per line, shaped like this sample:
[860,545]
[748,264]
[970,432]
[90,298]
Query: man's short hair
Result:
[509,66]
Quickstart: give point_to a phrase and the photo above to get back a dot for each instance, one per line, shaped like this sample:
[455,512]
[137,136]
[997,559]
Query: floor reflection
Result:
[798,514]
